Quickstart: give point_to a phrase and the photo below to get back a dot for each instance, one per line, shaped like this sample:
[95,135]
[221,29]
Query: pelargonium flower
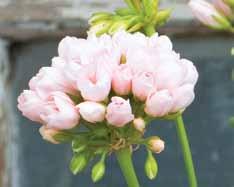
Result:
[118,83]
[97,68]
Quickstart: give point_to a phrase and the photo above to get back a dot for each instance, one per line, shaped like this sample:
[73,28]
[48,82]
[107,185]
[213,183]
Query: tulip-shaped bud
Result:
[49,134]
[139,124]
[78,163]
[209,15]
[98,170]
[92,112]
[151,166]
[156,145]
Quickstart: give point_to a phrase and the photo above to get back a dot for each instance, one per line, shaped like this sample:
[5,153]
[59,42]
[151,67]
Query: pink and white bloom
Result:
[48,134]
[60,112]
[122,80]
[142,84]
[31,105]
[159,103]
[119,112]
[182,97]
[50,79]
[190,75]
[92,112]
[206,13]
[94,82]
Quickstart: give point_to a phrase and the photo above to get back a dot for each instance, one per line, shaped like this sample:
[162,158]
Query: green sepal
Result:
[151,166]
[63,137]
[78,163]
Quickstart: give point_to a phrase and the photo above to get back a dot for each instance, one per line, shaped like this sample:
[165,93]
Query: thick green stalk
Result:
[149,30]
[186,151]
[125,161]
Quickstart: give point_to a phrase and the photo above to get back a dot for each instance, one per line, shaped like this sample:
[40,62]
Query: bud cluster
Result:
[139,15]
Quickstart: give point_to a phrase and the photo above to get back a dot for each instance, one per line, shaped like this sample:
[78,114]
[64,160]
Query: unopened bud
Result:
[139,124]
[78,163]
[124,11]
[48,134]
[100,16]
[150,7]
[98,171]
[163,16]
[230,2]
[118,26]
[100,27]
[156,144]
[151,166]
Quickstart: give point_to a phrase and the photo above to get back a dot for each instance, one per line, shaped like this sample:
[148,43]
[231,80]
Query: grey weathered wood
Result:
[5,112]
[32,19]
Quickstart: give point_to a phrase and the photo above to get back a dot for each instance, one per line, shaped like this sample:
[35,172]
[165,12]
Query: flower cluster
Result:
[219,15]
[108,79]
[113,86]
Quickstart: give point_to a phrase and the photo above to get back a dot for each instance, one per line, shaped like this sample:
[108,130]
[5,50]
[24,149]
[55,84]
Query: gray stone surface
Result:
[39,164]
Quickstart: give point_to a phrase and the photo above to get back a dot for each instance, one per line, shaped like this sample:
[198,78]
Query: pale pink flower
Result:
[159,103]
[122,80]
[206,13]
[48,134]
[142,84]
[223,7]
[50,79]
[94,82]
[31,105]
[169,75]
[190,72]
[92,112]
[119,112]
[182,97]
[60,112]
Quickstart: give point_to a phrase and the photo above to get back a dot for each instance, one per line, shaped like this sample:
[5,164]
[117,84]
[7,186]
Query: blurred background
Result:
[29,34]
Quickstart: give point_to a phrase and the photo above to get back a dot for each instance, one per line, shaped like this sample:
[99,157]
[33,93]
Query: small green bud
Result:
[100,27]
[150,7]
[100,16]
[118,26]
[98,171]
[162,16]
[78,163]
[136,27]
[231,121]
[151,166]
[124,11]
[230,3]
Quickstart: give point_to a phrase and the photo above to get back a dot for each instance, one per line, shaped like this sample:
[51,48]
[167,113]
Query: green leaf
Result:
[151,166]
[78,163]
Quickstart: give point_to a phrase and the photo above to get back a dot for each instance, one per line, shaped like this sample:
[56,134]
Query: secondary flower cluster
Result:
[218,15]
[115,80]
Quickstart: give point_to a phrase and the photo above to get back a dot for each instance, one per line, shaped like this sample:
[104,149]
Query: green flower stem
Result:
[186,151]
[149,30]
[125,161]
